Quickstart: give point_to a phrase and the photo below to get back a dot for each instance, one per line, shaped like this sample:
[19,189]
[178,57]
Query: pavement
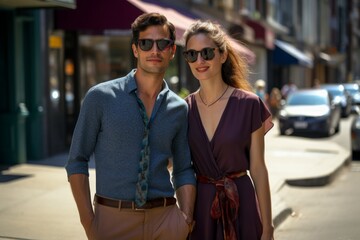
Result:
[36,200]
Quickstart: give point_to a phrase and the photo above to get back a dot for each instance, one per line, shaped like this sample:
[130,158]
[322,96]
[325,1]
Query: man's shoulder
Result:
[110,85]
[172,96]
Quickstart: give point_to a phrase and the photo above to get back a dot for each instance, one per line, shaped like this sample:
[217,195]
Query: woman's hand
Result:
[268,233]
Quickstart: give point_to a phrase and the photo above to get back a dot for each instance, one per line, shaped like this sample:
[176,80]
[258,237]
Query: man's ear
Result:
[173,51]
[134,49]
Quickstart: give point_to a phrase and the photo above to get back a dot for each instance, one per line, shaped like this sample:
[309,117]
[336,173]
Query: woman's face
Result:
[201,68]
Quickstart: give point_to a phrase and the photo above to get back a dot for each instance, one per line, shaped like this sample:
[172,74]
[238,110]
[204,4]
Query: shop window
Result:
[103,58]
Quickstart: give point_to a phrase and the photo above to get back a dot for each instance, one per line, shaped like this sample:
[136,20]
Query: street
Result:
[37,194]
[329,212]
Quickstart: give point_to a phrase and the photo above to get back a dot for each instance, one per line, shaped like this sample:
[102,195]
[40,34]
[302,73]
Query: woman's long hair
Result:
[235,70]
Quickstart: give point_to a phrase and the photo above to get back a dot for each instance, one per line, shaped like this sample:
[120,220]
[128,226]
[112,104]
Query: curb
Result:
[319,181]
[285,211]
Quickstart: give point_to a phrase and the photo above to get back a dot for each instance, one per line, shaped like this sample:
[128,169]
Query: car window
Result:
[306,99]
[335,92]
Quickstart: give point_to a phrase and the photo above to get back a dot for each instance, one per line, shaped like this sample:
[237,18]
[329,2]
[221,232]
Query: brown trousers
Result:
[150,224]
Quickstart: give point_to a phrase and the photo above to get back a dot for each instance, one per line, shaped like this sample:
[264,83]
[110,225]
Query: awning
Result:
[247,53]
[97,16]
[263,34]
[242,31]
[37,3]
[182,22]
[286,54]
[119,15]
[275,26]
[332,59]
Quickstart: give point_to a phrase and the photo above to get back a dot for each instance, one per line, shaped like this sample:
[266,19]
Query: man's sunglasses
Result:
[147,44]
[206,54]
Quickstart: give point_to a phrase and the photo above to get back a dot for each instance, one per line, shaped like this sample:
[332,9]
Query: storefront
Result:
[24,79]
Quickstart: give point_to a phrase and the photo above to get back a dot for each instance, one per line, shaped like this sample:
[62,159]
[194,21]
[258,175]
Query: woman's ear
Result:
[224,56]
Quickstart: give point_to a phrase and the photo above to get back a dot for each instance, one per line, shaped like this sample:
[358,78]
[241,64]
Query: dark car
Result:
[355,137]
[310,111]
[340,95]
[354,90]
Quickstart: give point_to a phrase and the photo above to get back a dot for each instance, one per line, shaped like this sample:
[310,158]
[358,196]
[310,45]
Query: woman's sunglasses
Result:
[147,44]
[206,54]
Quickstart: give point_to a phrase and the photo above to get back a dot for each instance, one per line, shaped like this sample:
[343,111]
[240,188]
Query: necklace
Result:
[210,104]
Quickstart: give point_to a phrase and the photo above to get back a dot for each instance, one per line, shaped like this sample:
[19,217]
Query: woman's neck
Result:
[210,94]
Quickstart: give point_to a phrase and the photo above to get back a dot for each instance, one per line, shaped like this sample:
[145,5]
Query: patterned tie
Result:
[143,172]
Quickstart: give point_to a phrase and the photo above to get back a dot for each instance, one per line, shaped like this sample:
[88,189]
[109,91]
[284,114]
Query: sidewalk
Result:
[36,200]
[300,161]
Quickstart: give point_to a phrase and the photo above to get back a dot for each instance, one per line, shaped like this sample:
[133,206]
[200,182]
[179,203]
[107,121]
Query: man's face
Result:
[154,60]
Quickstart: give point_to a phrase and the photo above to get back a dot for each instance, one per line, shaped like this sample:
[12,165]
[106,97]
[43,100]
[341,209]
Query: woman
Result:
[227,124]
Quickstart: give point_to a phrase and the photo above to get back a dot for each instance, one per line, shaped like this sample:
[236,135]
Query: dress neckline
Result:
[223,115]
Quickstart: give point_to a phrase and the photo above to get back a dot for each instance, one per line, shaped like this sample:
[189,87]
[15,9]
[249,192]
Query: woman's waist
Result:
[219,179]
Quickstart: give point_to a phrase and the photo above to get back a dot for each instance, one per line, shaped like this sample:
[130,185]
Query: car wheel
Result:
[337,128]
[355,155]
[282,132]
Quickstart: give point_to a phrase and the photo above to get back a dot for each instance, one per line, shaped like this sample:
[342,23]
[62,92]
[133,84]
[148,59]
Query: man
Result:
[134,125]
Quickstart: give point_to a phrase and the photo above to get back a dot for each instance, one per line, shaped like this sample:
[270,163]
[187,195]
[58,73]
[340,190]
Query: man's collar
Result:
[131,83]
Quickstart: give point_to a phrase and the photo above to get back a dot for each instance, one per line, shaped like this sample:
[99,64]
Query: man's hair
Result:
[146,20]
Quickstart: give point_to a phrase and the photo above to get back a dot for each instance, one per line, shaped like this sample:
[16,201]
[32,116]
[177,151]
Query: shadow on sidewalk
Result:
[57,161]
[6,177]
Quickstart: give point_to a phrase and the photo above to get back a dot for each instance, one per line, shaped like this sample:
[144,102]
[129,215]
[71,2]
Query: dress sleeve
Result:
[261,115]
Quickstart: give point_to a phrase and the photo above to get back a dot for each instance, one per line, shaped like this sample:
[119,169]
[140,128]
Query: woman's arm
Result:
[259,174]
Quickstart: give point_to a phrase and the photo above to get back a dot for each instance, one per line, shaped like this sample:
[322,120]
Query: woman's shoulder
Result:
[190,97]
[244,94]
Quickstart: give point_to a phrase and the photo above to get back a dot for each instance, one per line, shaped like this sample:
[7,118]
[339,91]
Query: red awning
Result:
[97,16]
[182,22]
[263,35]
[92,15]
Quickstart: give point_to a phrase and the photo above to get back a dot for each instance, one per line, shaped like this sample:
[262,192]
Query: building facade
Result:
[52,53]
[25,110]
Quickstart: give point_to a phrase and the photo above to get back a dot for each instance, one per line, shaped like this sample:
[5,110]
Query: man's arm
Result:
[80,188]
[186,198]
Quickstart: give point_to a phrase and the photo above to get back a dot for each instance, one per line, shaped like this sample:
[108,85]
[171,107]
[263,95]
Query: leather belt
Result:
[158,202]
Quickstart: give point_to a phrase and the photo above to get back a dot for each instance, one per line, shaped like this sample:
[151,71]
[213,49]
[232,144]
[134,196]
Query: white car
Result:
[311,111]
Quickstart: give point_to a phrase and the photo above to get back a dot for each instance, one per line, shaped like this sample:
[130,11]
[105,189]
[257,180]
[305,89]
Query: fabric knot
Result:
[226,202]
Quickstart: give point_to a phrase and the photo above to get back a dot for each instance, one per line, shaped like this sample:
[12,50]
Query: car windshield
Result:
[306,99]
[352,89]
[335,90]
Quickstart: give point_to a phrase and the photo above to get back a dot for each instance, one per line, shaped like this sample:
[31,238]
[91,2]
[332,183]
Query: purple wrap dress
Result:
[225,154]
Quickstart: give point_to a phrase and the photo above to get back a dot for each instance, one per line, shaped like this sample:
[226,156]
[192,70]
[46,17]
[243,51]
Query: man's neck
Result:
[149,85]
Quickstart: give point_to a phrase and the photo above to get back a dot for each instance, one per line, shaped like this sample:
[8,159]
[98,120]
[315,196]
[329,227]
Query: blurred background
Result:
[53,51]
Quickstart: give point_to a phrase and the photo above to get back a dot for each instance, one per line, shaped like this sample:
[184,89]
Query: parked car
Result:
[310,111]
[340,95]
[354,90]
[355,137]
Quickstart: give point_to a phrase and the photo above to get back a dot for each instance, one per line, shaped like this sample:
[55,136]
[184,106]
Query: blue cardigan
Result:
[110,127]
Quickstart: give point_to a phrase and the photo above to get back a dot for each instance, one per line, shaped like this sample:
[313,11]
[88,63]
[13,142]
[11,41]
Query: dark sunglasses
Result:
[206,54]
[147,44]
